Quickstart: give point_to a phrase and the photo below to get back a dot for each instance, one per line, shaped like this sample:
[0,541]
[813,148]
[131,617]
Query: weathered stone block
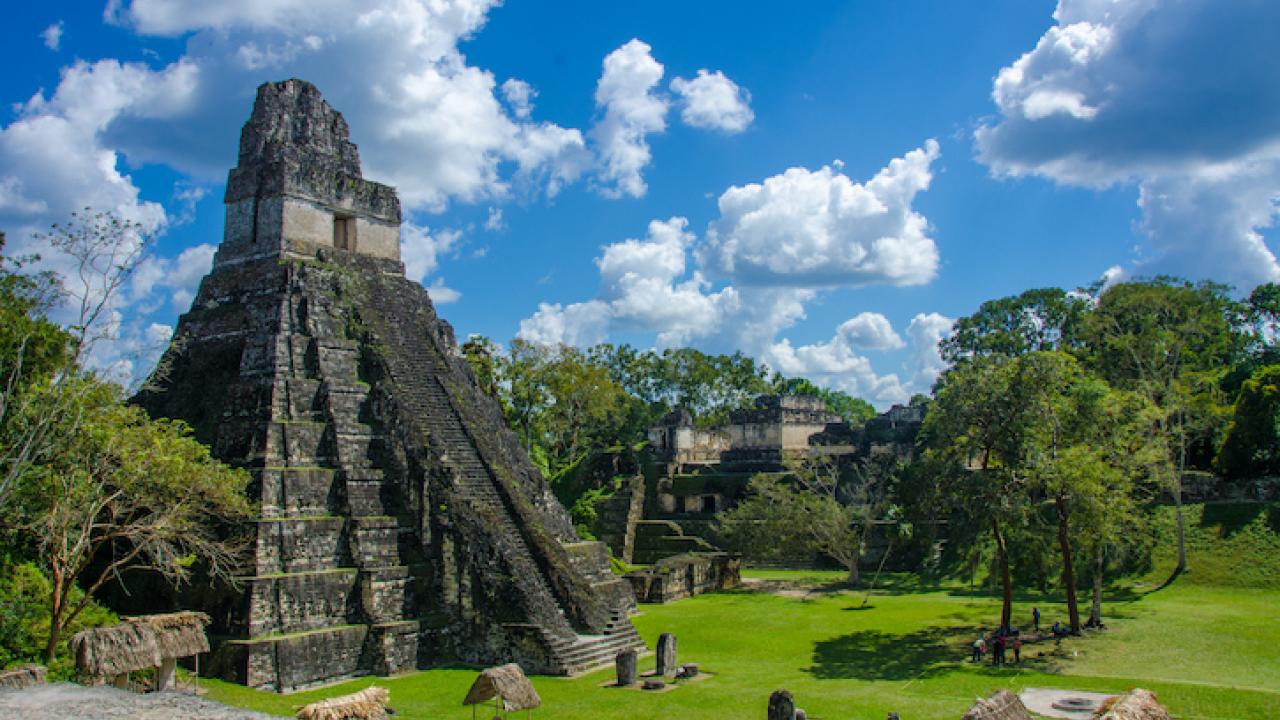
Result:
[294,545]
[300,602]
[625,663]
[666,654]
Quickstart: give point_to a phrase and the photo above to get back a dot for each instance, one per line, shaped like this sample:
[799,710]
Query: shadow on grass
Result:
[933,651]
[875,655]
[1114,593]
[1230,517]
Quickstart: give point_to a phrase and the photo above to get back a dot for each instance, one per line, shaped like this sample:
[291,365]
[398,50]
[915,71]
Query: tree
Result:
[118,492]
[1171,341]
[1252,445]
[103,251]
[817,508]
[1065,455]
[523,387]
[1041,319]
[1111,484]
[32,351]
[769,523]
[1262,316]
[587,410]
[973,434]
[481,354]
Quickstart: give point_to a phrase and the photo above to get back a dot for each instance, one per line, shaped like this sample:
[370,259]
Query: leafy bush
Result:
[24,619]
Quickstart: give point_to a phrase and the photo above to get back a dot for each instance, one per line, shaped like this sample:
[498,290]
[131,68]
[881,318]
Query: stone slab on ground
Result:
[1040,701]
[67,701]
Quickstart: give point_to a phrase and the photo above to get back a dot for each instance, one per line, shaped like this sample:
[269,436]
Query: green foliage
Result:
[113,484]
[562,403]
[818,508]
[481,354]
[24,619]
[618,566]
[583,512]
[1173,342]
[1231,545]
[769,525]
[854,411]
[1037,320]
[1252,445]
[708,386]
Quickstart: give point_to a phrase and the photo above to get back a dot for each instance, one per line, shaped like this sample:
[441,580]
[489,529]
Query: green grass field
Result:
[1208,644]
[1207,652]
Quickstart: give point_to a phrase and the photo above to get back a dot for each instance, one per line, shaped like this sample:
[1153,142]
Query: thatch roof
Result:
[179,634]
[368,704]
[22,677]
[1003,705]
[507,683]
[1137,704]
[139,643]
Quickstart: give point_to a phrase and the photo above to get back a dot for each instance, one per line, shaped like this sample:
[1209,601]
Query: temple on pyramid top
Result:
[298,188]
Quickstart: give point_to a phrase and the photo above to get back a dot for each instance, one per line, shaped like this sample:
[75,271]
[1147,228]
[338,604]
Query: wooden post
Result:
[165,673]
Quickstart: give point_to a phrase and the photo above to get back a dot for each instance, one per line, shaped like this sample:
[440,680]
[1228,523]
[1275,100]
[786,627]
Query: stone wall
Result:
[683,576]
[617,516]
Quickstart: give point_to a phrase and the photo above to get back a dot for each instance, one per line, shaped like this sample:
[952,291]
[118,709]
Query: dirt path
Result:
[65,701]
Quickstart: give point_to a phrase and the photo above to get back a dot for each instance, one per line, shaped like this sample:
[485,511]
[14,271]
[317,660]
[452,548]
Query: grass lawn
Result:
[1207,652]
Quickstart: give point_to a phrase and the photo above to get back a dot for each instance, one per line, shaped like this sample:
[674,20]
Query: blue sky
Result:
[822,185]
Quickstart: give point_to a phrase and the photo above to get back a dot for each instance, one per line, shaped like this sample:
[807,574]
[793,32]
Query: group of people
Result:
[1005,639]
[1008,638]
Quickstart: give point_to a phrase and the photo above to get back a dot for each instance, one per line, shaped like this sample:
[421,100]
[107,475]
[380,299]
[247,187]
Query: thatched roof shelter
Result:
[368,704]
[23,676]
[1003,705]
[179,634]
[1137,704]
[507,687]
[139,643]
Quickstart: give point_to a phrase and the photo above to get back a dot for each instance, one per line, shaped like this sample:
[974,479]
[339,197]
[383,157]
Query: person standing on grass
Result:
[979,647]
[1017,650]
[997,657]
[1035,617]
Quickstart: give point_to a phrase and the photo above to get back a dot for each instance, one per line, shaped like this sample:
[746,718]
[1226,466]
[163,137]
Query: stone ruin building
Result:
[401,523]
[703,471]
[695,473]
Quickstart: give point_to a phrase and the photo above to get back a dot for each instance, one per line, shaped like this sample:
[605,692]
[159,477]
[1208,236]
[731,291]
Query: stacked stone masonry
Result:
[401,525]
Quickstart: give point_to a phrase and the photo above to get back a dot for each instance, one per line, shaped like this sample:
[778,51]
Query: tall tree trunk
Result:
[1182,531]
[1095,613]
[1068,565]
[56,611]
[1002,554]
[1177,503]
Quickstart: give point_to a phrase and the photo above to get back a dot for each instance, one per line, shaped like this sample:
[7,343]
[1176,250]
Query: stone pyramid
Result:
[402,525]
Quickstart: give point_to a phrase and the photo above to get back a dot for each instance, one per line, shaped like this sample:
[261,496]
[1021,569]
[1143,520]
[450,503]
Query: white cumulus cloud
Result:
[820,228]
[52,36]
[631,111]
[421,249]
[427,121]
[840,362]
[643,286]
[713,101]
[1179,98]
